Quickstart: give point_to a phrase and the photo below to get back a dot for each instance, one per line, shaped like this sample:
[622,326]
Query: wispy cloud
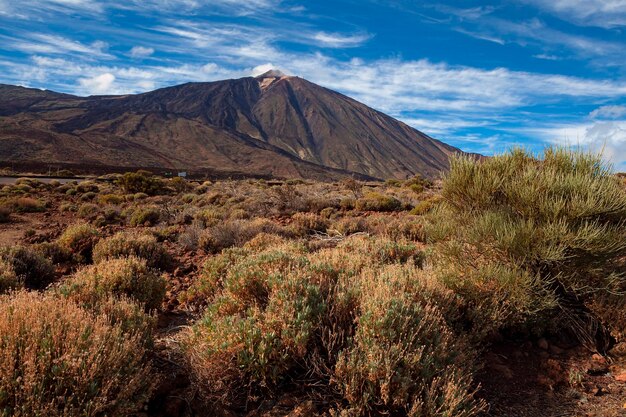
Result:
[141,51]
[602,13]
[40,43]
[608,112]
[338,40]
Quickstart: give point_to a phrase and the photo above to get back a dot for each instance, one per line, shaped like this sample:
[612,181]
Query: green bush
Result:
[112,199]
[140,182]
[378,202]
[32,269]
[559,219]
[145,216]
[88,211]
[404,359]
[130,277]
[59,360]
[80,239]
[125,244]
[54,251]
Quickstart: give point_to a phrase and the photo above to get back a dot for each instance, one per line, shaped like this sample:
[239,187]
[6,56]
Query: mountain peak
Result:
[273,73]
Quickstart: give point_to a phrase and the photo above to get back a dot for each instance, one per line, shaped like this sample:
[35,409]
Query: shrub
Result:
[8,278]
[129,243]
[88,211]
[349,225]
[5,214]
[54,251]
[80,239]
[87,187]
[59,360]
[130,277]
[28,205]
[88,196]
[140,182]
[404,359]
[559,219]
[145,216]
[231,355]
[31,268]
[306,223]
[378,202]
[234,233]
[112,199]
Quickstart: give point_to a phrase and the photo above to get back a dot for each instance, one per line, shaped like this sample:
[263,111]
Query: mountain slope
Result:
[269,125]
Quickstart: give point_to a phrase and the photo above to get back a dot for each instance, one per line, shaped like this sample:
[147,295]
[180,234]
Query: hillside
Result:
[269,125]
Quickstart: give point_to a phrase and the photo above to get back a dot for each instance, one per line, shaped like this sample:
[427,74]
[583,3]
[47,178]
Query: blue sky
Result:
[481,76]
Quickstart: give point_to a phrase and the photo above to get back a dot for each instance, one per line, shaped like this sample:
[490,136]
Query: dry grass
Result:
[59,360]
[129,277]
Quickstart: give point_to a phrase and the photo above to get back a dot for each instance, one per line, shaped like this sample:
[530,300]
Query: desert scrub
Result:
[145,216]
[234,233]
[231,356]
[32,269]
[308,223]
[54,251]
[129,277]
[88,211]
[59,360]
[27,205]
[8,278]
[404,359]
[88,196]
[374,201]
[140,182]
[132,243]
[559,218]
[80,239]
[112,199]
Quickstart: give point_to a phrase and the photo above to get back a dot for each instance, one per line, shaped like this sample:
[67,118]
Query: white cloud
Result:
[41,43]
[338,40]
[602,13]
[141,51]
[608,112]
[99,84]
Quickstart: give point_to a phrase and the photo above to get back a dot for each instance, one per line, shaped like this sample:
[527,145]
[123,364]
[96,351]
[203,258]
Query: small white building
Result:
[182,174]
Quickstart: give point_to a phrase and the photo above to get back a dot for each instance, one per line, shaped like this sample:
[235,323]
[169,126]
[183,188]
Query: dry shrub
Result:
[132,243]
[404,359]
[113,199]
[374,201]
[32,269]
[231,356]
[145,216]
[27,205]
[59,360]
[130,277]
[349,225]
[8,278]
[234,233]
[88,211]
[307,223]
[338,317]
[55,252]
[80,239]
